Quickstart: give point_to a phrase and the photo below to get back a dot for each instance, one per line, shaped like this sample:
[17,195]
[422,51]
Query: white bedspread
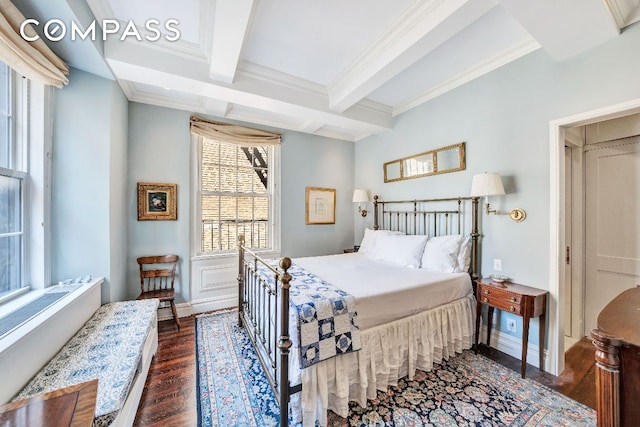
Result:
[409,318]
[386,292]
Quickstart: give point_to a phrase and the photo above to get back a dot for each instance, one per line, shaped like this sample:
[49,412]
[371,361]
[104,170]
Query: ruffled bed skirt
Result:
[389,352]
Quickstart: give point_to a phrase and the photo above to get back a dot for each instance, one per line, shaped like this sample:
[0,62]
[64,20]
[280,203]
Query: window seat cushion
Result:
[108,347]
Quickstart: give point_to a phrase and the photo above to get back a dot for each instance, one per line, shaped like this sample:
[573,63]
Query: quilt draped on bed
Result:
[326,317]
[389,352]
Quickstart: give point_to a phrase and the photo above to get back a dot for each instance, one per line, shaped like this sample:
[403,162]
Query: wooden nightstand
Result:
[521,300]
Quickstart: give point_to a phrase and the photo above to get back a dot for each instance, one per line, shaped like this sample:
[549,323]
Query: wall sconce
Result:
[489,184]
[360,196]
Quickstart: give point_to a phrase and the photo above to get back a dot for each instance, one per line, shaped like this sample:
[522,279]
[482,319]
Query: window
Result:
[12,183]
[235,196]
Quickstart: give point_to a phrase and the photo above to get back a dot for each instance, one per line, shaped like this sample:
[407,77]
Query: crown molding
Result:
[624,12]
[493,63]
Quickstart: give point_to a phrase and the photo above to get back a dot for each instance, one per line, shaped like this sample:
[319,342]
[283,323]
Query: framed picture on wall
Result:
[157,201]
[320,206]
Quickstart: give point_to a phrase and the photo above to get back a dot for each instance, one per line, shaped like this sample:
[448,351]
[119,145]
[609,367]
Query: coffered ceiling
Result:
[336,68]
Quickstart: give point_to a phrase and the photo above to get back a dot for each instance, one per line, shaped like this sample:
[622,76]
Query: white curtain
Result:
[226,132]
[34,60]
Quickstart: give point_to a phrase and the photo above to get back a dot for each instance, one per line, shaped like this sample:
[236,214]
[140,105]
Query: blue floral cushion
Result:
[108,347]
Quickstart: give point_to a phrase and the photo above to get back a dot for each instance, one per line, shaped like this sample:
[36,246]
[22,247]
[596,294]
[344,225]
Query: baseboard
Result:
[512,346]
[200,306]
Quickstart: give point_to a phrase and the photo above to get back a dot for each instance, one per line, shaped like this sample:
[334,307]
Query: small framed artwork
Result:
[320,206]
[157,202]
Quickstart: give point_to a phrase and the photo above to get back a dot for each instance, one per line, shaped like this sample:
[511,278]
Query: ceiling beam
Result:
[420,29]
[231,24]
[139,63]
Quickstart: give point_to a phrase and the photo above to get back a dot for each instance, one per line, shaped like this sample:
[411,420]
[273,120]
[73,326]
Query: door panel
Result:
[613,223]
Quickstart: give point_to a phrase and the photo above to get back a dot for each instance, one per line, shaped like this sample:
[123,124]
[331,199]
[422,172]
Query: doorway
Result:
[559,129]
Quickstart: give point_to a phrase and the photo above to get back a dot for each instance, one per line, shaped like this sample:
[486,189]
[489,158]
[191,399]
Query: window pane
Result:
[246,178]
[10,262]
[10,204]
[211,151]
[5,149]
[227,179]
[210,178]
[245,209]
[261,187]
[228,154]
[210,223]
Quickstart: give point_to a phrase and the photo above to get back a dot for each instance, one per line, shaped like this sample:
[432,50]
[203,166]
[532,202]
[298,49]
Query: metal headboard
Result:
[431,217]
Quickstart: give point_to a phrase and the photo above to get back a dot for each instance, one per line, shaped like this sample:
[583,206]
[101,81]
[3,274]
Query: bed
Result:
[404,301]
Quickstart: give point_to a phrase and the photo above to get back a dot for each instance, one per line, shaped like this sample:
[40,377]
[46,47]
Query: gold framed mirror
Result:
[441,160]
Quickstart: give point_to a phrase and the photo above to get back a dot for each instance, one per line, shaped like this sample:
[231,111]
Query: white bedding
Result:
[386,292]
[409,319]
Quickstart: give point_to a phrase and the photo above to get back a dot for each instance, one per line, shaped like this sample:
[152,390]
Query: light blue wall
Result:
[313,161]
[504,119]
[89,126]
[159,151]
[119,209]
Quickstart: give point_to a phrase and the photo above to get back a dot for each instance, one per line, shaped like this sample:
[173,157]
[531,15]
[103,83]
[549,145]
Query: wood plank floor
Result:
[169,397]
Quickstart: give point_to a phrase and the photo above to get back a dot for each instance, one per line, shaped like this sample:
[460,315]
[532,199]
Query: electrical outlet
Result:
[497,265]
[511,325]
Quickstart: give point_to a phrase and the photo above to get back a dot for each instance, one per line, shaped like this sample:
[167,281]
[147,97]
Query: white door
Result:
[612,217]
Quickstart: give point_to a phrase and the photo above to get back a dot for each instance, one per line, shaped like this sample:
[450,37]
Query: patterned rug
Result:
[467,390]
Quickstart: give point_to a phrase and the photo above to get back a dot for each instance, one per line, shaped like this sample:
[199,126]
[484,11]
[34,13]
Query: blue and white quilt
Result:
[326,316]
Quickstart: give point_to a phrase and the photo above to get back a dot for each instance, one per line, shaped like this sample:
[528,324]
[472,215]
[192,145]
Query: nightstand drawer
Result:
[503,294]
[501,304]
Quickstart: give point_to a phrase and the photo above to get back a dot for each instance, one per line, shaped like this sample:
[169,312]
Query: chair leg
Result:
[175,314]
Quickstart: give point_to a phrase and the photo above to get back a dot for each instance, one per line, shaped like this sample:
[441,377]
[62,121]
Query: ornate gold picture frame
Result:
[320,206]
[157,201]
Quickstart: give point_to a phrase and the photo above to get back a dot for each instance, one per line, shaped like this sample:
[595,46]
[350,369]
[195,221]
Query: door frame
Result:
[575,141]
[557,128]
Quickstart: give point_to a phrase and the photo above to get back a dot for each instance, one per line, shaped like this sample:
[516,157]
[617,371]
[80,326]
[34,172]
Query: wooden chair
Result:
[157,274]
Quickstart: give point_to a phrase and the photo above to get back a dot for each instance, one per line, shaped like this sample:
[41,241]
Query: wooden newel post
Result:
[284,343]
[240,278]
[607,378]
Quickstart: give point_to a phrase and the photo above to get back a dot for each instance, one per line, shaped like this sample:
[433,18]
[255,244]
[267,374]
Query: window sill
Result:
[38,320]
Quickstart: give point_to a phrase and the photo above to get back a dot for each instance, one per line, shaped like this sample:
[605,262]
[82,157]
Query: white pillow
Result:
[441,253]
[464,255]
[399,249]
[368,244]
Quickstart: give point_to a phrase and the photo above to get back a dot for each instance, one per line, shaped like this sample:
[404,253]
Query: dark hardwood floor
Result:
[169,397]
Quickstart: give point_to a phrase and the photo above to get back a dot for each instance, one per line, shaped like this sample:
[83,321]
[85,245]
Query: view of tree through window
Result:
[235,196]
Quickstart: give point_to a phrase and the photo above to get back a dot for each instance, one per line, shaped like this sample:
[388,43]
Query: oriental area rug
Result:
[466,390]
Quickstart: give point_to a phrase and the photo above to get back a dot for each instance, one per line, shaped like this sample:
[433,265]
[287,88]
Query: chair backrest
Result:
[157,272]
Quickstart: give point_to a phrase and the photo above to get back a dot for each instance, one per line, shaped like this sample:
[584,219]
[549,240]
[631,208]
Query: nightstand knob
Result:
[485,299]
[512,309]
[486,292]
[513,299]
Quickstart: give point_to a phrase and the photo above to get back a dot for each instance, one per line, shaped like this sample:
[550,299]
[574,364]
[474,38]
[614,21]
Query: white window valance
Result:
[226,132]
[34,60]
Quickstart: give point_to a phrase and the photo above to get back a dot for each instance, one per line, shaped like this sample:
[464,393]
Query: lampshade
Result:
[486,184]
[360,195]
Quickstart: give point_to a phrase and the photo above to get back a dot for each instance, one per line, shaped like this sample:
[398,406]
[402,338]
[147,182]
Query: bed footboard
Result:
[263,310]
